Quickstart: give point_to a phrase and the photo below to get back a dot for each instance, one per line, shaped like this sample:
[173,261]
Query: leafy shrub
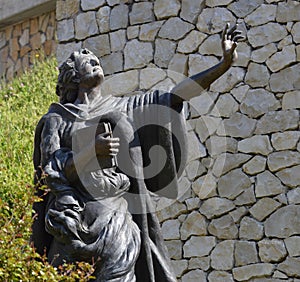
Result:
[22,102]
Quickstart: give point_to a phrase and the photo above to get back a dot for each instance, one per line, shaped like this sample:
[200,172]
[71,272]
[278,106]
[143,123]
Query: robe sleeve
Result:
[53,156]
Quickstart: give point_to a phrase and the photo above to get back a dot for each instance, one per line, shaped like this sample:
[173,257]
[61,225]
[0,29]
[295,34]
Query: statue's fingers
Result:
[239,38]
[225,32]
[113,151]
[231,31]
[114,144]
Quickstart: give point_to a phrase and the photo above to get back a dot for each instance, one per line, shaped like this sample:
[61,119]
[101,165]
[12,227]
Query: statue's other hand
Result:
[106,146]
[230,37]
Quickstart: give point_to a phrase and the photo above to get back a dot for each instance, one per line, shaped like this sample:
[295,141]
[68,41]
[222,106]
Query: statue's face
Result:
[89,70]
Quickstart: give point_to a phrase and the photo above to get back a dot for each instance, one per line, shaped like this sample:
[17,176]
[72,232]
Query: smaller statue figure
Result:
[92,152]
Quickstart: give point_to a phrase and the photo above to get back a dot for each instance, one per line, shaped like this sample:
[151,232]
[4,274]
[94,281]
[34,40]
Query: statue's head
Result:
[82,68]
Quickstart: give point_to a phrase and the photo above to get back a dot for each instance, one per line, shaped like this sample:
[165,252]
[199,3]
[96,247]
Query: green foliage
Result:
[22,103]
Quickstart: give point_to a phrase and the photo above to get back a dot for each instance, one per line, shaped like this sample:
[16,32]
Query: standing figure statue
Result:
[93,152]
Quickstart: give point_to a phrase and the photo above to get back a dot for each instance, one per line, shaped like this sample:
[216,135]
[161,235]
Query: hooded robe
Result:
[141,122]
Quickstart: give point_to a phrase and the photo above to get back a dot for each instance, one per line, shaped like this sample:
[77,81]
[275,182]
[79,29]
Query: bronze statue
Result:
[92,152]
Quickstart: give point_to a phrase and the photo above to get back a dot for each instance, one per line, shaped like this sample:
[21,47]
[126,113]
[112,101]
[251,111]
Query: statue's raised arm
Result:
[192,86]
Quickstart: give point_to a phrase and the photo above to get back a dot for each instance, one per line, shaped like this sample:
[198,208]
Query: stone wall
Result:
[22,43]
[238,217]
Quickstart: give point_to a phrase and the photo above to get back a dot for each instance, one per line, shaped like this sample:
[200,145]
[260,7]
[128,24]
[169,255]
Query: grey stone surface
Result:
[215,207]
[175,28]
[284,222]
[229,188]
[245,253]
[267,184]
[119,17]
[89,27]
[199,246]
[258,102]
[137,54]
[141,13]
[251,229]
[222,255]
[223,228]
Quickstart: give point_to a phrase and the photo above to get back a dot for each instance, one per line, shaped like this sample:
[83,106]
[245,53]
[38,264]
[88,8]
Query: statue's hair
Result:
[68,79]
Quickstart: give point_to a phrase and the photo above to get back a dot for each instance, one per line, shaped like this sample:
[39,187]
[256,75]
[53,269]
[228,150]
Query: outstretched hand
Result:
[230,37]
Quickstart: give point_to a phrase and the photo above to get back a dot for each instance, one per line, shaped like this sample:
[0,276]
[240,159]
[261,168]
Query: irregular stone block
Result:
[291,267]
[211,46]
[164,52]
[91,4]
[282,59]
[199,246]
[170,229]
[119,17]
[250,229]
[179,266]
[112,63]
[174,248]
[149,31]
[198,63]
[284,222]
[205,186]
[226,162]
[220,276]
[258,102]
[265,34]
[294,196]
[247,272]
[137,54]
[222,255]
[245,252]
[194,224]
[213,20]
[288,12]
[99,45]
[66,8]
[151,76]
[194,275]
[191,9]
[262,54]
[242,8]
[191,42]
[174,29]
[246,198]
[257,75]
[279,121]
[86,25]
[258,144]
[103,16]
[272,250]
[290,176]
[268,184]
[238,125]
[65,30]
[286,79]
[263,208]
[293,246]
[225,106]
[255,18]
[296,32]
[223,228]
[141,13]
[255,165]
[165,9]
[291,100]
[215,207]
[229,188]
[283,159]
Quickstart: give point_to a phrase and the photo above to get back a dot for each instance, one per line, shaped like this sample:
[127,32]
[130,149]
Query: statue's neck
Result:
[88,96]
